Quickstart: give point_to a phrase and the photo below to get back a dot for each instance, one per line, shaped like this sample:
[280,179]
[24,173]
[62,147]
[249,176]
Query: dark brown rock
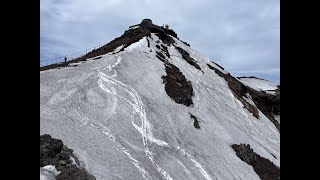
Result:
[186,56]
[177,86]
[53,152]
[195,121]
[265,169]
[238,89]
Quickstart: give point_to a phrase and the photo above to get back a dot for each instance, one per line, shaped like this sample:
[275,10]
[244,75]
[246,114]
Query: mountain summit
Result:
[148,106]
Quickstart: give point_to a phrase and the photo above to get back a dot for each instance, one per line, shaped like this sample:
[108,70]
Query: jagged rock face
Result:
[238,89]
[53,152]
[263,167]
[50,151]
[236,86]
[266,94]
[176,85]
[186,56]
[162,36]
[245,153]
[266,103]
[154,108]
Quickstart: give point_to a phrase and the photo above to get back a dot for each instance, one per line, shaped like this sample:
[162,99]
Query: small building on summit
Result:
[134,26]
[145,23]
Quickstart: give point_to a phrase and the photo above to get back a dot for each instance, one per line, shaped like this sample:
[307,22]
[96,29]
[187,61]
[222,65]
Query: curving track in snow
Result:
[108,76]
[138,113]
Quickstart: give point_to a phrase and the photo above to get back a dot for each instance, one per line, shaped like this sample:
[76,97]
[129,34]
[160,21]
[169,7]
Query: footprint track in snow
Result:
[139,114]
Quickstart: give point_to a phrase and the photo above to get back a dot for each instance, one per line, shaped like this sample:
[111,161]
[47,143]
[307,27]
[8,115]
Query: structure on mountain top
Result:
[145,23]
[134,26]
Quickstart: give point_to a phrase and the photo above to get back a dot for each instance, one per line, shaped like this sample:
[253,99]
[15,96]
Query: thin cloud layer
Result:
[242,36]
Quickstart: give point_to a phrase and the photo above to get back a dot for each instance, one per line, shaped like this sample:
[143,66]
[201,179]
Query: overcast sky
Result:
[243,36]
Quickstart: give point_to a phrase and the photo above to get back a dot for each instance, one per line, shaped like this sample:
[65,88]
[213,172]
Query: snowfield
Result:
[259,84]
[115,114]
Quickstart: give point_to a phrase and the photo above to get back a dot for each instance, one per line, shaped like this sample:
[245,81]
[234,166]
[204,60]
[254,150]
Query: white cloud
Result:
[240,35]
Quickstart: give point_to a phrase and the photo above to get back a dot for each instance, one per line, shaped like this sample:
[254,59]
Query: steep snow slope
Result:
[259,84]
[115,114]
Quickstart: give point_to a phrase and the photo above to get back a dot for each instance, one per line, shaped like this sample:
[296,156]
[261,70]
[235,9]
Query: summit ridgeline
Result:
[132,35]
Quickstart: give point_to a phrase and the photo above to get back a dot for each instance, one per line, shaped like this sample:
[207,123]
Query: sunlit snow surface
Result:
[116,116]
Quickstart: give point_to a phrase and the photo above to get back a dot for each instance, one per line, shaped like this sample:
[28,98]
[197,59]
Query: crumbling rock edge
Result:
[265,169]
[186,56]
[177,87]
[268,104]
[54,152]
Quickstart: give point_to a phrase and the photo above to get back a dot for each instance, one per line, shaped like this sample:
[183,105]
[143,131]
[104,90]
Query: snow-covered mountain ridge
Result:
[260,84]
[148,106]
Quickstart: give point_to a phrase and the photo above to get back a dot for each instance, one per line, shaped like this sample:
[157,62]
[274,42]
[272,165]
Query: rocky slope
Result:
[54,153]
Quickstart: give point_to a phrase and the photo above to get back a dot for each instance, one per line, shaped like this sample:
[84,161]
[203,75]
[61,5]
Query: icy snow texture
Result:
[48,172]
[116,116]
